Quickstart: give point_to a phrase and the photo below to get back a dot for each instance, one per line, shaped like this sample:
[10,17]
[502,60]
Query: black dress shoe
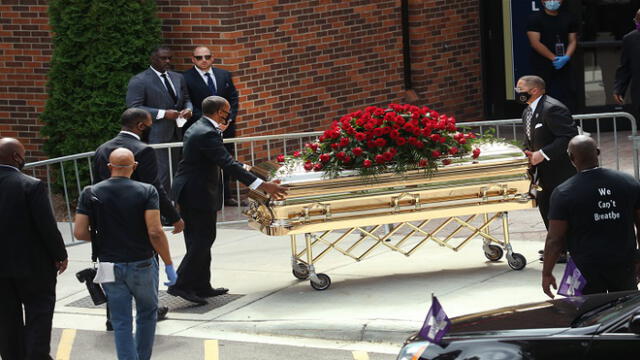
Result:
[212,292]
[162,312]
[187,295]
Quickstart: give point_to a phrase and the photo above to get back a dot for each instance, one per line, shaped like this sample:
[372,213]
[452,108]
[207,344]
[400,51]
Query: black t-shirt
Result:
[551,28]
[599,206]
[119,207]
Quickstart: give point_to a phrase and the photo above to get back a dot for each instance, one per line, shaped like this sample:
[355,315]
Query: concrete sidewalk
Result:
[381,299]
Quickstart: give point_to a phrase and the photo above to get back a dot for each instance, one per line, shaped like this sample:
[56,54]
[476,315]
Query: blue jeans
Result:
[137,280]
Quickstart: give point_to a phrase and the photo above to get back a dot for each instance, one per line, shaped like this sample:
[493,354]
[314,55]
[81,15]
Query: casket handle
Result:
[326,210]
[395,201]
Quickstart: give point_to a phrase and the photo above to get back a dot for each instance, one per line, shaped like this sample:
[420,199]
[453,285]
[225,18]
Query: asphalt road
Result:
[98,345]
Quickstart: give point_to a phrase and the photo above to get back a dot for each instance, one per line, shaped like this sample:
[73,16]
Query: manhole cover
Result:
[175,304]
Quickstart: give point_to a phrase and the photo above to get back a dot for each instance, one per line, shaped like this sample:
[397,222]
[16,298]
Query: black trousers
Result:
[194,272]
[27,335]
[608,278]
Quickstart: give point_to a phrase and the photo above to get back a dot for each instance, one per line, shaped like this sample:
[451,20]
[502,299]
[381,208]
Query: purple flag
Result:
[572,281]
[436,324]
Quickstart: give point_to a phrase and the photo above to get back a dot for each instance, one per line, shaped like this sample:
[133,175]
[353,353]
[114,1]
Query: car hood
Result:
[547,317]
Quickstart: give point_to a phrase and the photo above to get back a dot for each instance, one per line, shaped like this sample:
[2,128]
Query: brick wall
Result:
[297,64]
[25,52]
[445,51]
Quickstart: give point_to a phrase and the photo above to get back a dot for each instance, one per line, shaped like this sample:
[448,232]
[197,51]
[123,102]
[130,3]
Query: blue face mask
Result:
[552,5]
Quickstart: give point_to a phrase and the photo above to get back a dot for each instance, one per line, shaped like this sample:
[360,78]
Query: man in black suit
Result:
[204,80]
[164,94]
[33,251]
[548,129]
[136,124]
[629,68]
[197,189]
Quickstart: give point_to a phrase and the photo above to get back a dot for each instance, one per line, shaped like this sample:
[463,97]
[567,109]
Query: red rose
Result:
[366,163]
[341,155]
[443,140]
[435,137]
[280,158]
[317,167]
[380,142]
[314,147]
[296,154]
[360,136]
[379,159]
[357,151]
[335,146]
[378,132]
[446,161]
[401,141]
[347,159]
[371,144]
[393,150]
[344,142]
[476,153]
[369,126]
[387,156]
[419,145]
[462,141]
[325,158]
[435,154]
[413,141]
[422,163]
[453,150]
[322,138]
[308,166]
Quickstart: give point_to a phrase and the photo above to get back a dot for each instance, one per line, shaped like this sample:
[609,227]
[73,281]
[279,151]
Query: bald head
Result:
[121,162]
[11,152]
[583,152]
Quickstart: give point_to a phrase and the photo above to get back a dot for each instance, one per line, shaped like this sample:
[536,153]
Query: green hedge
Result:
[98,46]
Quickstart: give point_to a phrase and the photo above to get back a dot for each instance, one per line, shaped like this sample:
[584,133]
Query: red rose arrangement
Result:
[375,140]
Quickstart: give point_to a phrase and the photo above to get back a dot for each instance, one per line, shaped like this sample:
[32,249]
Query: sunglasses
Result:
[201,57]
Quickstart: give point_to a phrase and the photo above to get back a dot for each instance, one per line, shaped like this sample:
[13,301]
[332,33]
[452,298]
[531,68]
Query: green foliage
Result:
[98,46]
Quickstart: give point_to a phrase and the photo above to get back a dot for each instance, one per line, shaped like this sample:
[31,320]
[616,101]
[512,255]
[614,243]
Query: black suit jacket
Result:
[197,183]
[29,236]
[552,127]
[146,172]
[198,91]
[629,67]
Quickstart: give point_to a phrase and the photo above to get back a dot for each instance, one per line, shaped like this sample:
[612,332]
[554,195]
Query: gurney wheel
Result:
[517,261]
[325,282]
[301,272]
[495,253]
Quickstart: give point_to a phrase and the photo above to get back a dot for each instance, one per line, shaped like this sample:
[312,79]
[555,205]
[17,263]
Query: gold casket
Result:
[496,182]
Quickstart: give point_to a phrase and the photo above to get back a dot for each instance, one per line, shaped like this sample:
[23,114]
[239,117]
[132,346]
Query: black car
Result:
[603,326]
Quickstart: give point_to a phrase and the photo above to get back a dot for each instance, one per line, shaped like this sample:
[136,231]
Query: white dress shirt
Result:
[130,133]
[533,107]
[204,78]
[162,111]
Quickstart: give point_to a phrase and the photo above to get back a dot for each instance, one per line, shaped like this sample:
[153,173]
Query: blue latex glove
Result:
[171,275]
[560,61]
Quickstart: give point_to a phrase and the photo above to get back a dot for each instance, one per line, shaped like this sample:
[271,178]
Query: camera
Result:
[95,290]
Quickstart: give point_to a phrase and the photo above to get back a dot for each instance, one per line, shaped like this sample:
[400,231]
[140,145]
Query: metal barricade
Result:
[67,175]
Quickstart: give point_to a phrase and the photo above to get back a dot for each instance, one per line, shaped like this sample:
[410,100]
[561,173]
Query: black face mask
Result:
[523,97]
[145,134]
[20,163]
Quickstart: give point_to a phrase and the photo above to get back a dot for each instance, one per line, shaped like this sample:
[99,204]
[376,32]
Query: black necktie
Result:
[210,83]
[527,122]
[169,88]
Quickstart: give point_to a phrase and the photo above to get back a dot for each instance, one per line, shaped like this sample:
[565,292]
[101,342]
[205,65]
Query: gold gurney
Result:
[353,215]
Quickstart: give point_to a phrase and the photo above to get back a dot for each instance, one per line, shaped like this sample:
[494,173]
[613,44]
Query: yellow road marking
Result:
[211,351]
[360,355]
[65,344]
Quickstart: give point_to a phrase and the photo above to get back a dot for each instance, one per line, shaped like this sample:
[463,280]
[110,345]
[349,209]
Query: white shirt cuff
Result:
[254,185]
[545,155]
[160,114]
